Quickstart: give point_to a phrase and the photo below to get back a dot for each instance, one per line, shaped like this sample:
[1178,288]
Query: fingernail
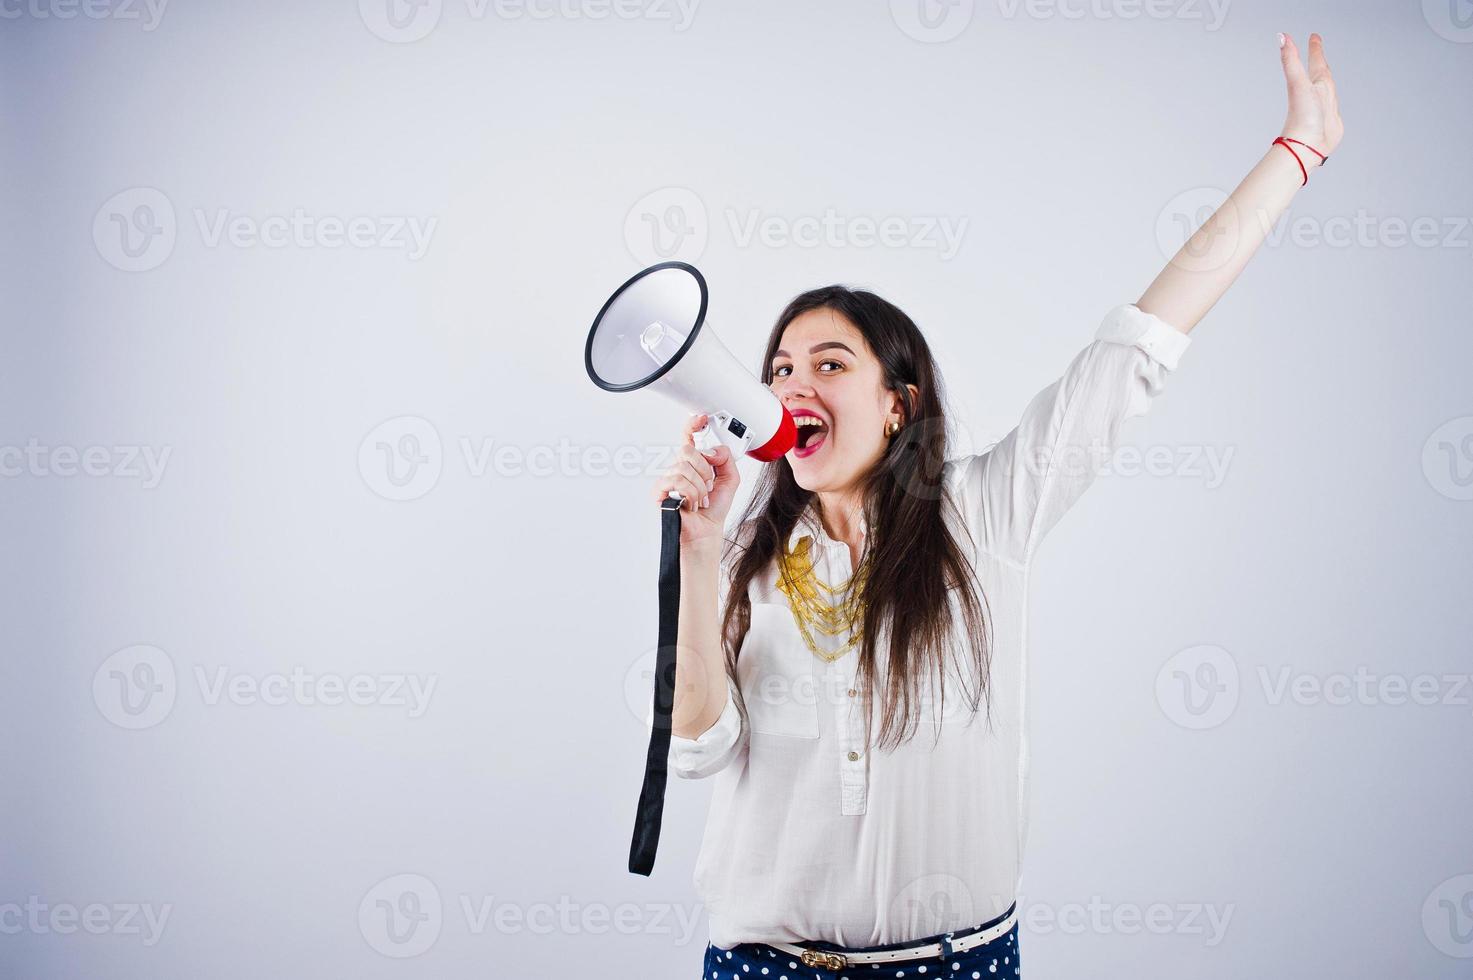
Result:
[1281,40]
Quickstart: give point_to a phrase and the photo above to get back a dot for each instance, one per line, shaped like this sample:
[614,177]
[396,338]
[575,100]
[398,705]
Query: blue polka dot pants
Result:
[997,960]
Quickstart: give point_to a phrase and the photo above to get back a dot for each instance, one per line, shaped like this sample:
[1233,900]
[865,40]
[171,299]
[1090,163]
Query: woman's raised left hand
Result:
[1314,110]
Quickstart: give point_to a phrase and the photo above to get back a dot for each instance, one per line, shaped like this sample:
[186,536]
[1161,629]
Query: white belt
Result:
[832,960]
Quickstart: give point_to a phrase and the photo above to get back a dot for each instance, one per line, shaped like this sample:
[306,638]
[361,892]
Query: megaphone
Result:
[652,333]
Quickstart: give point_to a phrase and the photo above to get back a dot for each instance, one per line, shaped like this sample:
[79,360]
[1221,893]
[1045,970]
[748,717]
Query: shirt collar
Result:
[809,525]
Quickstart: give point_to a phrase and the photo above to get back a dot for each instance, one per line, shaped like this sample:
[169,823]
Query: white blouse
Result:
[809,837]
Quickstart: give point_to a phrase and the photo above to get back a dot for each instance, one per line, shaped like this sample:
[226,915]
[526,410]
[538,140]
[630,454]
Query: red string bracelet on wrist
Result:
[1284,141]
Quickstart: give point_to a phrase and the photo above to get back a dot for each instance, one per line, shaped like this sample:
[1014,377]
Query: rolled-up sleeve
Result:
[715,748]
[712,750]
[1023,485]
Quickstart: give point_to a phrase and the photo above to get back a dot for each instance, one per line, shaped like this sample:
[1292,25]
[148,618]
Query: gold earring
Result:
[891,427]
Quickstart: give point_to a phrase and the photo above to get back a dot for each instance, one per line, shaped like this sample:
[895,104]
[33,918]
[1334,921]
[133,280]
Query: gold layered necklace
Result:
[818,606]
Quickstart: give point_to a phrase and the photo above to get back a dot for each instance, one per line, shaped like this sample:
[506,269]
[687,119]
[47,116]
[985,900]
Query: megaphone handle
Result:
[705,439]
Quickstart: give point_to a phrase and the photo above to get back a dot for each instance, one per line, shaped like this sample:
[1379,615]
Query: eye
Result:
[777,372]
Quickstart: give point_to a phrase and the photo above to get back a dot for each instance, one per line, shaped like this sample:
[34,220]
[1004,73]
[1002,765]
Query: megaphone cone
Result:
[652,333]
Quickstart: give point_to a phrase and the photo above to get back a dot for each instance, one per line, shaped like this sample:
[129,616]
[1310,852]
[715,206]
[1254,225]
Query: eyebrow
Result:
[817,347]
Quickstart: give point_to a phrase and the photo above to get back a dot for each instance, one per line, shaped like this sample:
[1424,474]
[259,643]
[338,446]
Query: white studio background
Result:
[327,569]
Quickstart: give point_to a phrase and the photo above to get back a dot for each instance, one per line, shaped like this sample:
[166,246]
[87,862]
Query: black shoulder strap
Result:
[652,794]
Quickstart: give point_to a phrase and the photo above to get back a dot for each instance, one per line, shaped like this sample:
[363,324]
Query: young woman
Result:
[871,575]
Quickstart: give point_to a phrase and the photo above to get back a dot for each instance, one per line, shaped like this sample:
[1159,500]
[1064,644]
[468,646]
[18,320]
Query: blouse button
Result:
[853,756]
[851,692]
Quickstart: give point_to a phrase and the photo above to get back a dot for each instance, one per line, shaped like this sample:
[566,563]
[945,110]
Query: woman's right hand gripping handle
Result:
[707,482]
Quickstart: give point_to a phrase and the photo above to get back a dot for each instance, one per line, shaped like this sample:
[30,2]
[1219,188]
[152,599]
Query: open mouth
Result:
[813,432]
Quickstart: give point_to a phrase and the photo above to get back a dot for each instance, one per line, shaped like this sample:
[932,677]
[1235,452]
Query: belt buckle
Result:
[824,958]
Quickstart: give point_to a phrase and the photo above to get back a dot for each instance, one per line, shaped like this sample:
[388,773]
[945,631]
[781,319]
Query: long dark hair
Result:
[915,567]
